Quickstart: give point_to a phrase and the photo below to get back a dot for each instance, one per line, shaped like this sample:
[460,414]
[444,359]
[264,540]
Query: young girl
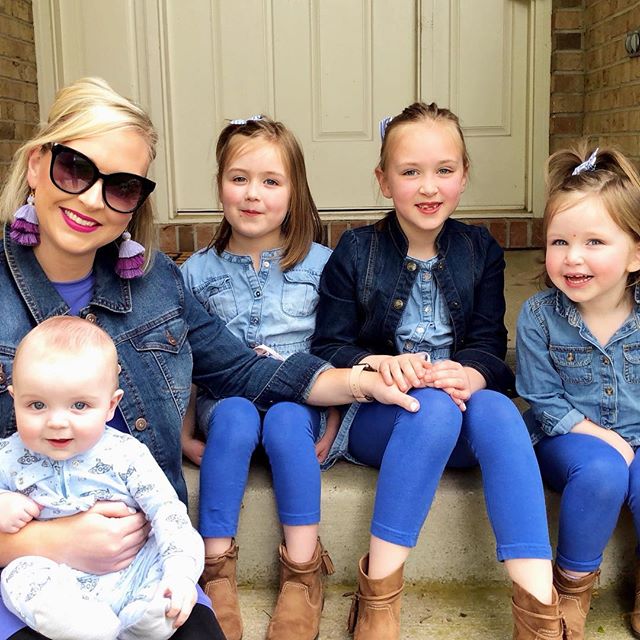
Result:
[414,284]
[260,274]
[578,353]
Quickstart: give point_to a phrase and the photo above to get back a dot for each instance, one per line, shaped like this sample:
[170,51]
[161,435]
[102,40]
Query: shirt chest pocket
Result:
[217,297]
[573,363]
[165,346]
[632,362]
[299,292]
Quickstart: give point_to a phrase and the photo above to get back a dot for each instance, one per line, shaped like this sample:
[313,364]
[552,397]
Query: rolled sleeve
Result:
[537,380]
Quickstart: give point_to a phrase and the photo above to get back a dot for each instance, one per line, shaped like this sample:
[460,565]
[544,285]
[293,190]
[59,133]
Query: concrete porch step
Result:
[452,612]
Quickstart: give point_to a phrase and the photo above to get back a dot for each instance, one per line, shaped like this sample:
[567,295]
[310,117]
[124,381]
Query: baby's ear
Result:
[10,390]
[115,399]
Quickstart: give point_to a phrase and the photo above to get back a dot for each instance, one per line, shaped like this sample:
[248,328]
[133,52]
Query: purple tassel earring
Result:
[24,228]
[130,258]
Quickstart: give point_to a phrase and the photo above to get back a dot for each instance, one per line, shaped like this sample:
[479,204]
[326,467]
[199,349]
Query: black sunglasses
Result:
[72,172]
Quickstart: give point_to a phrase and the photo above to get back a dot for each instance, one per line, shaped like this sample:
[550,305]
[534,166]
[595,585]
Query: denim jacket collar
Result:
[111,291]
[565,308]
[400,240]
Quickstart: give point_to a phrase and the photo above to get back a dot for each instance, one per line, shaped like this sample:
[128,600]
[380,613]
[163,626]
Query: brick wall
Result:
[18,84]
[595,86]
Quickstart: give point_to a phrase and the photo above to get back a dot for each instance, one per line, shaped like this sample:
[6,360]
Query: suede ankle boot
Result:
[218,581]
[533,620]
[575,599]
[375,610]
[301,596]
[635,614]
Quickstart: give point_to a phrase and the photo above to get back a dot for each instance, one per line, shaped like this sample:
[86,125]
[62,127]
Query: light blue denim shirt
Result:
[265,307]
[566,375]
[425,325]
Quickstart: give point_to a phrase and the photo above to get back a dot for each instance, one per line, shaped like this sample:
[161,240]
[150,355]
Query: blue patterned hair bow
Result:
[588,165]
[240,121]
[384,123]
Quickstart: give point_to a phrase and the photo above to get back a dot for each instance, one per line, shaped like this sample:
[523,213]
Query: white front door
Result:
[329,69]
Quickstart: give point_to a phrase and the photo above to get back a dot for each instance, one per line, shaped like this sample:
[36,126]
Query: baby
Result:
[60,462]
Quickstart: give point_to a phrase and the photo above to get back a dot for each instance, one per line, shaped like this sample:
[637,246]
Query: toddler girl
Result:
[578,350]
[61,462]
[260,274]
[419,297]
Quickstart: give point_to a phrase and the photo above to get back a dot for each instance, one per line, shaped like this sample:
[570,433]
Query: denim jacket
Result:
[265,307]
[566,375]
[163,337]
[367,282]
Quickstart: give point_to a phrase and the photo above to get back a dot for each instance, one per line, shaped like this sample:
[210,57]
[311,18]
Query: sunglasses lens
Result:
[71,172]
[124,193]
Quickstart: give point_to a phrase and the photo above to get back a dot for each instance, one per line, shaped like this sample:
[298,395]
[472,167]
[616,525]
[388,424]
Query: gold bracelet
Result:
[354,381]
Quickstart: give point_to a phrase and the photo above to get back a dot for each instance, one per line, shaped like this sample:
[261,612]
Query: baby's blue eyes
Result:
[79,405]
[37,405]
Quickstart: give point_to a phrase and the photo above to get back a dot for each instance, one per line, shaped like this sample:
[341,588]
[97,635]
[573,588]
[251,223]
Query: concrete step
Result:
[434,612]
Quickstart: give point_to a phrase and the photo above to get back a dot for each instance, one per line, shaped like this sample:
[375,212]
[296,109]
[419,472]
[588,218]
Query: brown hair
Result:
[301,225]
[70,334]
[86,108]
[614,180]
[417,112]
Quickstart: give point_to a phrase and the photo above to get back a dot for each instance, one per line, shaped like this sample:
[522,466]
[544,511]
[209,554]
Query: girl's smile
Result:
[78,222]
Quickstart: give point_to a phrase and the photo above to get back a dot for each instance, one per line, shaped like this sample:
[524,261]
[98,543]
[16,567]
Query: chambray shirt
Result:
[425,325]
[567,376]
[268,306]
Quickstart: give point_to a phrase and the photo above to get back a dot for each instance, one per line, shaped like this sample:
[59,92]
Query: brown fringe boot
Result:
[218,581]
[301,596]
[375,610]
[533,620]
[575,599]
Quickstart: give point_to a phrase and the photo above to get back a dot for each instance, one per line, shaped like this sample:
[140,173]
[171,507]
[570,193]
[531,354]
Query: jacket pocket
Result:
[632,362]
[217,297]
[300,292]
[165,346]
[573,363]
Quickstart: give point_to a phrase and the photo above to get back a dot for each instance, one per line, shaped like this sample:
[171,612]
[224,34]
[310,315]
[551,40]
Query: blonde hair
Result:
[69,335]
[420,112]
[86,108]
[301,225]
[614,181]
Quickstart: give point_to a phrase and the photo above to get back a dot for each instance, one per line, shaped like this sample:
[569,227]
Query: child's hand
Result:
[16,510]
[406,370]
[451,377]
[181,592]
[192,448]
[323,446]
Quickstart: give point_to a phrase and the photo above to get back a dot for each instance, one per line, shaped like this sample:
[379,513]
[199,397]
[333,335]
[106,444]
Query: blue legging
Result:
[288,432]
[412,449]
[594,481]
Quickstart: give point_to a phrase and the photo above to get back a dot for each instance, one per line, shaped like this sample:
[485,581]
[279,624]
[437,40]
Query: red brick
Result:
[518,234]
[566,124]
[567,61]
[336,230]
[204,233]
[567,103]
[168,238]
[567,82]
[567,19]
[498,229]
[537,239]
[185,237]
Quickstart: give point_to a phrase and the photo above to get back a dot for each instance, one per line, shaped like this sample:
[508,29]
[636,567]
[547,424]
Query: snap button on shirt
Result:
[140,424]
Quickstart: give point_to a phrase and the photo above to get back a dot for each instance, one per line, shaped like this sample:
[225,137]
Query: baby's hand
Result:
[16,510]
[182,596]
[406,370]
[451,377]
[323,446]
